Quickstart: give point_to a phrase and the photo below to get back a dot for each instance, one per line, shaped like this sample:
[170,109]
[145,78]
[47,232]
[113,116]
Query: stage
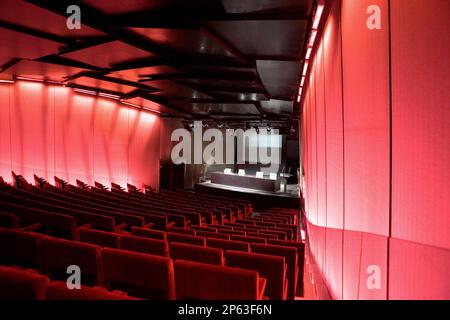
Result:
[258,198]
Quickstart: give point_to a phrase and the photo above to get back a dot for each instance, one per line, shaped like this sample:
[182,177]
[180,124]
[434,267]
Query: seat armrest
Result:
[120,227]
[149,225]
[32,227]
[170,225]
[261,288]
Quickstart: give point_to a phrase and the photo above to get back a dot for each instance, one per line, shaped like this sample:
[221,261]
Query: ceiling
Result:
[228,61]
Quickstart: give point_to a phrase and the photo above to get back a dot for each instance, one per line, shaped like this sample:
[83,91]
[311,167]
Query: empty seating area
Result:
[163,246]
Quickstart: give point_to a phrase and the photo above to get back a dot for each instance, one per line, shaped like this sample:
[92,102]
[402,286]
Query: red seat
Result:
[100,238]
[210,282]
[218,227]
[213,235]
[160,222]
[280,235]
[182,231]
[228,244]
[140,275]
[290,256]
[58,291]
[184,238]
[58,254]
[300,246]
[189,252]
[262,235]
[144,245]
[148,233]
[20,248]
[249,239]
[232,232]
[271,267]
[16,284]
[9,220]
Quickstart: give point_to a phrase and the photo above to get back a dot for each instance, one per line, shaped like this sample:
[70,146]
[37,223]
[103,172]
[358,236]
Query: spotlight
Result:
[269,128]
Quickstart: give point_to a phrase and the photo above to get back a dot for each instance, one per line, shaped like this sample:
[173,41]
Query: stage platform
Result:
[258,198]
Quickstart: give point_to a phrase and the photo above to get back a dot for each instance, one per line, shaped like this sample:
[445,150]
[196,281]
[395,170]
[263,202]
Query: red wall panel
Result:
[418,271]
[334,124]
[72,136]
[357,151]
[5,149]
[321,138]
[110,142]
[333,258]
[361,251]
[421,121]
[366,118]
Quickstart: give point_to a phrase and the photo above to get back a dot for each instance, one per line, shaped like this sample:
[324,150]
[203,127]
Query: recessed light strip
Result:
[316,22]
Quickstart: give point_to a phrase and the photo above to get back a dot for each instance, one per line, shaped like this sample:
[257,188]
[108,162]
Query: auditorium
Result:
[224,150]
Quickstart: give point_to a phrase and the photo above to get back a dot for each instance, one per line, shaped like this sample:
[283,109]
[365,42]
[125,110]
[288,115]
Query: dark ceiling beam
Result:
[276,58]
[36,33]
[215,37]
[249,77]
[68,62]
[9,64]
[260,109]
[124,82]
[209,88]
[219,100]
[86,44]
[191,20]
[166,103]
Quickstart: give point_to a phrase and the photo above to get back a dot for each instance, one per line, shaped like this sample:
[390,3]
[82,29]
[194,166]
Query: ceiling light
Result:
[29,79]
[110,96]
[308,53]
[6,81]
[312,38]
[93,93]
[318,15]
[302,82]
[305,68]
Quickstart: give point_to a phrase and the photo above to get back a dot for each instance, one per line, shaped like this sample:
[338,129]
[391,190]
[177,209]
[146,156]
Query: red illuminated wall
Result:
[49,130]
[375,134]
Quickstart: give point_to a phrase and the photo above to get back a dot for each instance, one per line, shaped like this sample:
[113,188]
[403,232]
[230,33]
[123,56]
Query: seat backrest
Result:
[16,284]
[58,254]
[273,268]
[61,226]
[148,233]
[300,246]
[144,245]
[100,238]
[182,231]
[262,235]
[213,235]
[210,282]
[159,221]
[140,275]
[228,244]
[290,256]
[20,248]
[249,239]
[184,238]
[232,232]
[9,220]
[58,290]
[190,252]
